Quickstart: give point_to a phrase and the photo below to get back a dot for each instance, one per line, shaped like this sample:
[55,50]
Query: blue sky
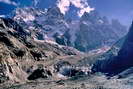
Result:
[119,9]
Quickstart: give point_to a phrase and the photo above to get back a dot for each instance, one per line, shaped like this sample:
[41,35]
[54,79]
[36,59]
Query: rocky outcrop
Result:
[10,69]
[40,72]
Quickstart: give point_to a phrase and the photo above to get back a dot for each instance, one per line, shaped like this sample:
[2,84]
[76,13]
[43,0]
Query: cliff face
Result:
[122,61]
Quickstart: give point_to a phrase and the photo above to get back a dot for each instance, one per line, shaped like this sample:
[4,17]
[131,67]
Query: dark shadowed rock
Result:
[39,73]
[9,23]
[117,64]
[29,44]
[4,38]
[19,52]
[37,55]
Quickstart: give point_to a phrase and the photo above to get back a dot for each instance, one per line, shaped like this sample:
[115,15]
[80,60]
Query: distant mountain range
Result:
[90,32]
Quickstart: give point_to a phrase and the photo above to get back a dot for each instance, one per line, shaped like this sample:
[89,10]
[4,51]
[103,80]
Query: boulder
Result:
[60,64]
[68,71]
[39,73]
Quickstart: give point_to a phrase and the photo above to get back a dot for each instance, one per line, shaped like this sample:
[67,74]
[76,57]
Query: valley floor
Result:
[91,82]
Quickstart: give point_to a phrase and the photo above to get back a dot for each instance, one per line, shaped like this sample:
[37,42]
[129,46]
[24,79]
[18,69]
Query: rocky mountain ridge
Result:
[50,24]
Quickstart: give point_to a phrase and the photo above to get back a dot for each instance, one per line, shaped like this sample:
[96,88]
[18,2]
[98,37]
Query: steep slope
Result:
[119,63]
[19,51]
[10,69]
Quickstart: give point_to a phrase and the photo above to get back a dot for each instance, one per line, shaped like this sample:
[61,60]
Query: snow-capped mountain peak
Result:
[51,24]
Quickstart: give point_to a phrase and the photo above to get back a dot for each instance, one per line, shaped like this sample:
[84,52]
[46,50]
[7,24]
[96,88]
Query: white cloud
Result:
[82,5]
[63,5]
[9,2]
[86,9]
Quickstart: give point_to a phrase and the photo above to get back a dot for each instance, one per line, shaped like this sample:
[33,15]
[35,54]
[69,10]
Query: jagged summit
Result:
[93,15]
[78,34]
